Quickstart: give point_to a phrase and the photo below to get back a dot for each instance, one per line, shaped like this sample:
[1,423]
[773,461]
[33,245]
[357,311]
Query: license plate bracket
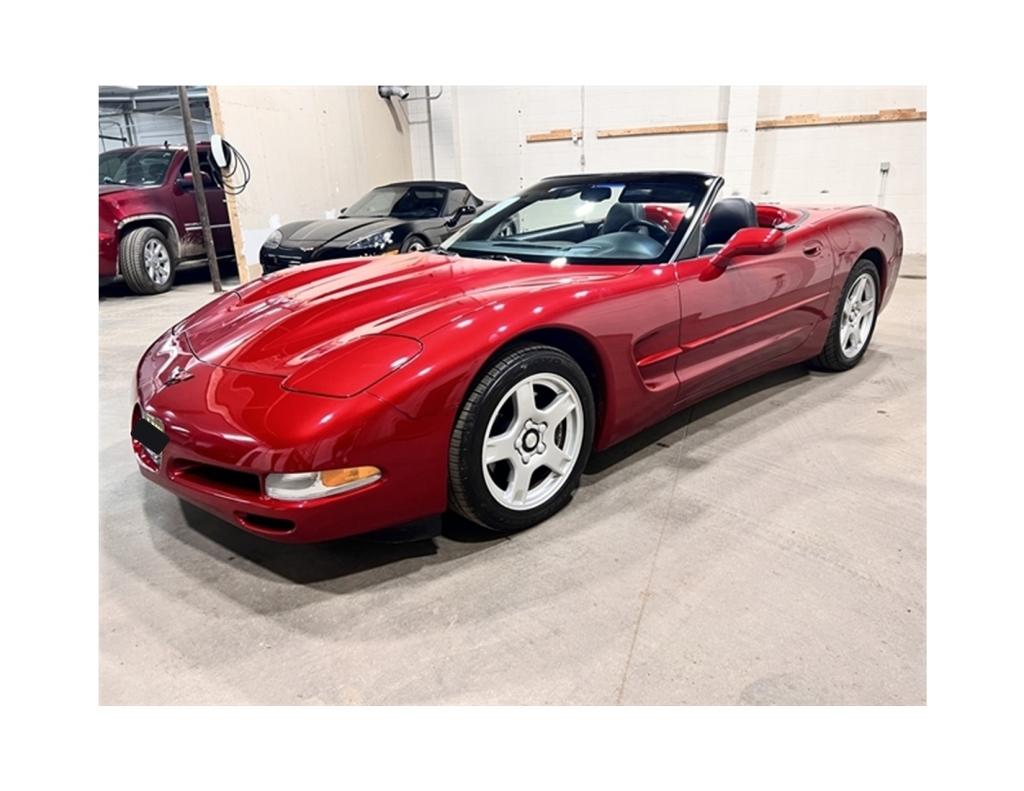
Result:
[151,437]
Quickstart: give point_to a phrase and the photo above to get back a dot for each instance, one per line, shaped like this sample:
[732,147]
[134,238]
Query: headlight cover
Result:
[314,485]
[373,241]
[274,240]
[354,367]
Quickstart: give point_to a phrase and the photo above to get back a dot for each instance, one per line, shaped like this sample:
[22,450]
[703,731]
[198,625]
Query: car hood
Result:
[317,233]
[110,190]
[287,321]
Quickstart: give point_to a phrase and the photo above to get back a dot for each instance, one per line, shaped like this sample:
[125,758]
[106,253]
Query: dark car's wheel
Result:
[521,439]
[854,321]
[414,244]
[146,261]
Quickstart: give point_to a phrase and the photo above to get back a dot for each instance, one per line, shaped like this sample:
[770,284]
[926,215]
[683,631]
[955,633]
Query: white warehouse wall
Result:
[480,132]
[836,165]
[480,138]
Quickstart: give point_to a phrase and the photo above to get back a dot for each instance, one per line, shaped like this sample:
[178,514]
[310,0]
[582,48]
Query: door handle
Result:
[812,250]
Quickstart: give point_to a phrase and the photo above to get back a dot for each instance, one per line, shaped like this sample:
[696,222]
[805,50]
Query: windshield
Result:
[134,167]
[589,218]
[403,202]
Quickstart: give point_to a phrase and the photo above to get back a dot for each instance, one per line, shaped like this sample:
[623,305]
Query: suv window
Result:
[136,168]
[205,165]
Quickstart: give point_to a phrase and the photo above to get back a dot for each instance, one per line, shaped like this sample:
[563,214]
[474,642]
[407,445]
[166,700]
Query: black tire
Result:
[412,241]
[132,261]
[832,357]
[468,492]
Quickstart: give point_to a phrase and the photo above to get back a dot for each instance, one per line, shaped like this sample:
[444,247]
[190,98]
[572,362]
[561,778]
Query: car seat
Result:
[726,217]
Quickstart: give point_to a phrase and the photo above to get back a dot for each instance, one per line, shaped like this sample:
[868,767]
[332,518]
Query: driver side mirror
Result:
[186,181]
[460,212]
[750,241]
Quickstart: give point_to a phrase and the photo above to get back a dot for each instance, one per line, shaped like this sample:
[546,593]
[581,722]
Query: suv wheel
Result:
[146,261]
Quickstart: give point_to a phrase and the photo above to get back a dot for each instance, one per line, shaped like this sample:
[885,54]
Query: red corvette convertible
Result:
[349,396]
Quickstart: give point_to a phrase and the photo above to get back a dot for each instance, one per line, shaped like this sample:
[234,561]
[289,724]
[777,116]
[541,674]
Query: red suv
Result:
[149,225]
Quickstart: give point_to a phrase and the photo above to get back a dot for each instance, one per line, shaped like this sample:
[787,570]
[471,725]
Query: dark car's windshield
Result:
[402,201]
[588,219]
[136,168]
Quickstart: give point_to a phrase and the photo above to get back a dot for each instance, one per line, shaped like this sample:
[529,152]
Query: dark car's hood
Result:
[283,322]
[317,233]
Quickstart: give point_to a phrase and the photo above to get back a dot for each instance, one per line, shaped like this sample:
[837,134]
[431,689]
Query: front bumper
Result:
[226,493]
[107,257]
[228,429]
[276,259]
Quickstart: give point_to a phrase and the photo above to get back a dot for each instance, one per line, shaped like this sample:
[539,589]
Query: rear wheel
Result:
[521,439]
[146,261]
[854,321]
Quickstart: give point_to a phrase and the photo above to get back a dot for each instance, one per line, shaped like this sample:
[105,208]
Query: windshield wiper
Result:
[500,257]
[475,254]
[525,243]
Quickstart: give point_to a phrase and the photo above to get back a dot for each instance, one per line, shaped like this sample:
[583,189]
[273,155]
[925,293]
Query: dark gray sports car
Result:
[400,217]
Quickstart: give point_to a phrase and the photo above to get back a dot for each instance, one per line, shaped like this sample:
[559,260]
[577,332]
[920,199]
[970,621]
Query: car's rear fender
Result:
[866,232]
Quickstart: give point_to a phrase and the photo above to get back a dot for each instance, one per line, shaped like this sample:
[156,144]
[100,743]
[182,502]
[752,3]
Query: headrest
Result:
[620,214]
[728,216]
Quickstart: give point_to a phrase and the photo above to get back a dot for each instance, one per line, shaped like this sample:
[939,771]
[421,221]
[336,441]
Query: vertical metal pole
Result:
[583,129]
[197,185]
[430,133]
[128,128]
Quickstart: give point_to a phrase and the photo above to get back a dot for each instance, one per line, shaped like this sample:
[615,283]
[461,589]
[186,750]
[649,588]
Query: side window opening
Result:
[205,166]
[420,203]
[456,199]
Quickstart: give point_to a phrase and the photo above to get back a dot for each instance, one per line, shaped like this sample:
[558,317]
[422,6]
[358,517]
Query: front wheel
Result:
[146,261]
[854,321]
[414,244]
[521,439]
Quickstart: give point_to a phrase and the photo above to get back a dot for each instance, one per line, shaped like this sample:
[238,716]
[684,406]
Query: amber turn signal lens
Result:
[312,485]
[332,478]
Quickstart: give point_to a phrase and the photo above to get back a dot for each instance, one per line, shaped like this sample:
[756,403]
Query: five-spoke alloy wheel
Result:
[521,439]
[532,441]
[854,320]
[858,316]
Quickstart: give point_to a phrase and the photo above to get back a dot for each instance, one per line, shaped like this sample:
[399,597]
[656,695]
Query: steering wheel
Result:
[654,230]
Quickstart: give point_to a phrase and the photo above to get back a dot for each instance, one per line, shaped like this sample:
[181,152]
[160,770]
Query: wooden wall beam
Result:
[554,134]
[671,129]
[813,119]
[805,119]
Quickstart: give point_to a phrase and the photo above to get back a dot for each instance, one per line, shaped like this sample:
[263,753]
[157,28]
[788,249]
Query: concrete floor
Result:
[765,547]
